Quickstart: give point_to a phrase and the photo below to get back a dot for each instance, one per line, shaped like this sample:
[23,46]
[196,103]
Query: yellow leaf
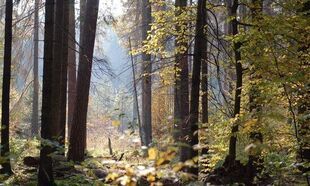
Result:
[129,171]
[112,176]
[160,161]
[178,167]
[151,178]
[116,123]
[152,153]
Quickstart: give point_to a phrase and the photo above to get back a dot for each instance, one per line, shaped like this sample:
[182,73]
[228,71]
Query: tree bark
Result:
[77,144]
[82,19]
[5,114]
[57,66]
[204,97]
[45,175]
[204,88]
[71,66]
[35,98]
[181,90]
[199,52]
[147,78]
[239,73]
[64,72]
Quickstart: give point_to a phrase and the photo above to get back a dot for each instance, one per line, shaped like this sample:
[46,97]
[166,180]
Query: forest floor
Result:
[125,163]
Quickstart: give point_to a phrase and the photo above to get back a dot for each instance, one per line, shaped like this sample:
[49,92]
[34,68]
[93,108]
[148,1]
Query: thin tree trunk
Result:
[147,78]
[199,52]
[204,88]
[71,66]
[5,114]
[35,102]
[239,73]
[45,175]
[204,97]
[77,144]
[135,90]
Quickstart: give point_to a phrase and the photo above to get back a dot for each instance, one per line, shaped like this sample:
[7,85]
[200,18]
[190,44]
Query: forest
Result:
[155,92]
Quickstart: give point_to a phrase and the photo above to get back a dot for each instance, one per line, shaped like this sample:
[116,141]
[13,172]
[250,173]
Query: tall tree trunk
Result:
[5,114]
[64,72]
[57,65]
[77,144]
[181,92]
[199,53]
[35,102]
[147,78]
[204,88]
[82,19]
[204,97]
[45,175]
[71,66]
[239,72]
[135,119]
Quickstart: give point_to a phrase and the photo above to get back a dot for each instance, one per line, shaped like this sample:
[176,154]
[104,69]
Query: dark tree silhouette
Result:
[71,66]
[5,113]
[45,175]
[199,52]
[58,48]
[64,72]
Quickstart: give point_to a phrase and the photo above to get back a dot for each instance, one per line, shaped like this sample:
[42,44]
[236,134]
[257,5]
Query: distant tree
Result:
[35,102]
[147,78]
[5,112]
[199,53]
[77,144]
[45,175]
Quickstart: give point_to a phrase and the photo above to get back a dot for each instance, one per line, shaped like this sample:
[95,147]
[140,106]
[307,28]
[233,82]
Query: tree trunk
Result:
[147,78]
[134,60]
[199,53]
[77,144]
[71,66]
[45,175]
[35,102]
[64,72]
[204,88]
[57,66]
[5,114]
[239,72]
[82,19]
[204,98]
[136,102]
[181,92]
